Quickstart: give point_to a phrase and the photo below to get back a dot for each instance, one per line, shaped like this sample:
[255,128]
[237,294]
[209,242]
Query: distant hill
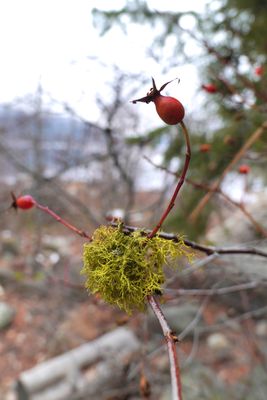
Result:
[45,140]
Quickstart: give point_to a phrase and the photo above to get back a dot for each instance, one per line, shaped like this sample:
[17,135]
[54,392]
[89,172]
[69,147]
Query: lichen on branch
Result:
[125,269]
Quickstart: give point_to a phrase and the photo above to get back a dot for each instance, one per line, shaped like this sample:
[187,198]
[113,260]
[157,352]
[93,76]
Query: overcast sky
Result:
[54,41]
[50,41]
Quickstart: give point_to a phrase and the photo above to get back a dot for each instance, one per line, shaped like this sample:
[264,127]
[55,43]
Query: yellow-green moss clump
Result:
[124,269]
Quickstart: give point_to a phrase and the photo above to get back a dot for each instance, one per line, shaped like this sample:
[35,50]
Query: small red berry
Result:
[210,88]
[23,202]
[244,169]
[169,109]
[205,147]
[259,71]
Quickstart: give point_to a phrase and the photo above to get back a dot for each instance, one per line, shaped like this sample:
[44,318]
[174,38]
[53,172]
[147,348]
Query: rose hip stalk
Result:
[27,201]
[171,111]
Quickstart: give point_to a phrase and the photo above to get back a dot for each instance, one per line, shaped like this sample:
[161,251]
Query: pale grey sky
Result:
[50,41]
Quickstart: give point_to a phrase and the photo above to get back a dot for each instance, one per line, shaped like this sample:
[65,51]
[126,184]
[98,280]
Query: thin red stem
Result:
[62,221]
[179,184]
[171,340]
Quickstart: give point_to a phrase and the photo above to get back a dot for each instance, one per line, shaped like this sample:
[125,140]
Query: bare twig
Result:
[200,263]
[250,334]
[229,321]
[171,340]
[251,140]
[258,227]
[179,184]
[196,246]
[170,337]
[40,178]
[194,348]
[126,177]
[217,291]
[255,223]
[194,321]
[62,221]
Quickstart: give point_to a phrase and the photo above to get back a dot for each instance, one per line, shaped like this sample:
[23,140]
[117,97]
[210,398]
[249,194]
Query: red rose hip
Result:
[259,71]
[23,202]
[169,109]
[244,169]
[210,88]
[205,147]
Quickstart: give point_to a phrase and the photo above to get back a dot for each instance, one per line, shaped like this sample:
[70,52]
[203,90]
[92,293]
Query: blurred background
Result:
[70,137]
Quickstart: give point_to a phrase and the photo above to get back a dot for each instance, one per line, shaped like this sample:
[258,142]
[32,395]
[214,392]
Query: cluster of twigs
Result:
[211,251]
[171,337]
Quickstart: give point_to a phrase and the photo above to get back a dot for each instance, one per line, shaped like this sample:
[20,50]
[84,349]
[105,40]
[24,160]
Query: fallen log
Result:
[84,372]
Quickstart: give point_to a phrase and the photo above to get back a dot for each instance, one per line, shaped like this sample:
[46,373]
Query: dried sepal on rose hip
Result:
[22,202]
[169,109]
